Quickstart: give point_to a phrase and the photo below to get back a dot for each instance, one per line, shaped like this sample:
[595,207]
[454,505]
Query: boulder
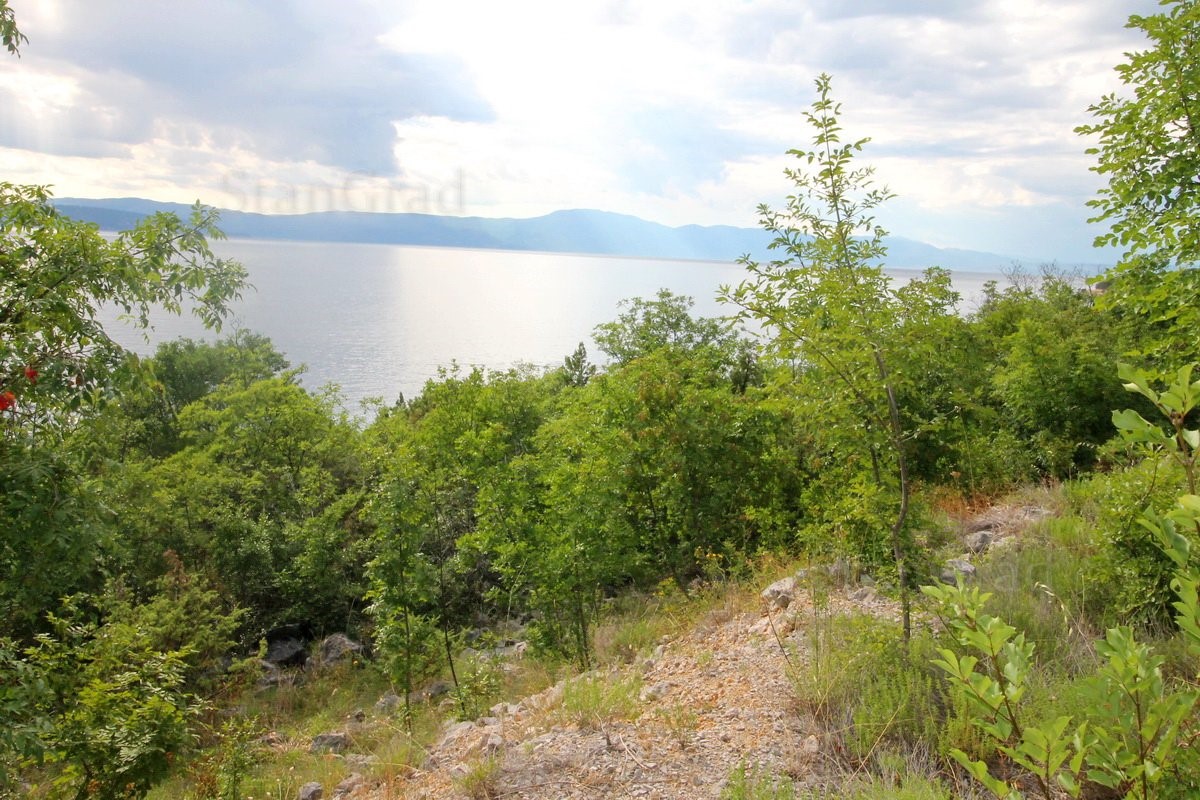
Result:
[286,652]
[780,593]
[979,541]
[337,646]
[311,791]
[388,703]
[864,594]
[956,567]
[431,692]
[655,692]
[286,645]
[330,742]
[348,785]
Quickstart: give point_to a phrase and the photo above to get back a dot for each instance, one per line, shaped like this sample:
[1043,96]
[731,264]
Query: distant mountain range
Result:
[574,231]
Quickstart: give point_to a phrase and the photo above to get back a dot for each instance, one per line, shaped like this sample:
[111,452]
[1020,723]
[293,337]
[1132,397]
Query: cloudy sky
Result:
[678,111]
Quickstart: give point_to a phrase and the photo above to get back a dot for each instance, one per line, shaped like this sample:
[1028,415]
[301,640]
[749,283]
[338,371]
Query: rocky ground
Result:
[705,702]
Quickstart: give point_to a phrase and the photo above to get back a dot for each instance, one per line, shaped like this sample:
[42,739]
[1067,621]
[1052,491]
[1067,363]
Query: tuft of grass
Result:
[592,700]
[681,722]
[755,783]
[481,780]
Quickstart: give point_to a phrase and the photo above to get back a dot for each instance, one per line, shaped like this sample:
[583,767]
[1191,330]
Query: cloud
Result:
[286,80]
[677,111]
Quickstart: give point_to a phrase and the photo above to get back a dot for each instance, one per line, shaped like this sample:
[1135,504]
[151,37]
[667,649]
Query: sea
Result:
[379,321]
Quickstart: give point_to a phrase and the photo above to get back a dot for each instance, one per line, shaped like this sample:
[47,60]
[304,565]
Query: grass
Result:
[593,700]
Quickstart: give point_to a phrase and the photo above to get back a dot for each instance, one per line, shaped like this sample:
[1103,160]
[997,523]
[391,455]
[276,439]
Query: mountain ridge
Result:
[582,231]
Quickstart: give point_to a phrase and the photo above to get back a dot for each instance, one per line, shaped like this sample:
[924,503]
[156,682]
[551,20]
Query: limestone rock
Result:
[864,594]
[311,791]
[655,692]
[780,593]
[330,742]
[348,785]
[337,646]
[388,703]
[956,567]
[979,541]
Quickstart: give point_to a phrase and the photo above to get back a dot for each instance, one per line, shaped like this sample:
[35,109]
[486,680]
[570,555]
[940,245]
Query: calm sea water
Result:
[379,320]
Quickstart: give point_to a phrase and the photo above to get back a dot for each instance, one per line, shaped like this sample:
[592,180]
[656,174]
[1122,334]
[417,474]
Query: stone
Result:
[863,594]
[956,567]
[336,647]
[979,541]
[271,739]
[655,692]
[780,593]
[271,674]
[493,744]
[311,791]
[347,786]
[330,742]
[388,703]
[457,732]
[285,646]
[839,572]
[431,692]
[866,580]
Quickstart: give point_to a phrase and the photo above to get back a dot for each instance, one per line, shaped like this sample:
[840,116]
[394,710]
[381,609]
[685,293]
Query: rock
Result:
[780,593]
[839,572]
[271,739]
[510,650]
[336,647]
[956,567]
[656,691]
[285,646]
[979,541]
[456,732]
[981,524]
[493,744]
[866,580]
[502,710]
[863,594]
[311,791]
[330,742]
[286,652]
[388,703]
[361,760]
[431,692]
[271,674]
[348,785]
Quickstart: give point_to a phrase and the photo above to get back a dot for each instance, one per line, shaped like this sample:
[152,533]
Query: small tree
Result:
[840,321]
[1149,151]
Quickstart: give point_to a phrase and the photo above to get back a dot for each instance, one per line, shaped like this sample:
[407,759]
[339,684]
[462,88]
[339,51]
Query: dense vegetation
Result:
[161,517]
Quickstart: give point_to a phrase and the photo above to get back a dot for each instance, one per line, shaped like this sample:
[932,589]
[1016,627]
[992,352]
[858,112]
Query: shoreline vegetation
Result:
[887,549]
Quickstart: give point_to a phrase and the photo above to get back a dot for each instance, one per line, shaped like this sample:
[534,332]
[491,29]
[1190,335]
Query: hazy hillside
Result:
[573,231]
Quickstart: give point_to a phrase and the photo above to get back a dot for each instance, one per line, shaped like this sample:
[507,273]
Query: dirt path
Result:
[712,699]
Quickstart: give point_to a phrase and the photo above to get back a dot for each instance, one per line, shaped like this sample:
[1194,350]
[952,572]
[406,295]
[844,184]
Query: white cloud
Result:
[675,111]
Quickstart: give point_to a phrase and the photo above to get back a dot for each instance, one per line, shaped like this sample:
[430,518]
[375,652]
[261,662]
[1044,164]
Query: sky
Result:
[676,111]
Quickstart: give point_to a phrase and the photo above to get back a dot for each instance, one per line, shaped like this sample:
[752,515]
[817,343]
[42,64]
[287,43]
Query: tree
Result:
[56,359]
[839,319]
[1149,150]
[1149,146]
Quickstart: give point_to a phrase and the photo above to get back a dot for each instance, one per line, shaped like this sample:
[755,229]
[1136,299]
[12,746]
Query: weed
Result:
[591,700]
[481,781]
[755,783]
[681,722]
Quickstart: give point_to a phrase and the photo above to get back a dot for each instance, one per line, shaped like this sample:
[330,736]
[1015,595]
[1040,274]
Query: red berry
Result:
[7,400]
[31,374]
